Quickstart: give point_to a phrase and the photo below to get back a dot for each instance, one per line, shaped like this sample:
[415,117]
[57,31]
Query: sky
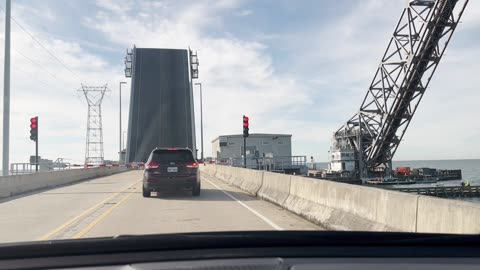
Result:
[295,67]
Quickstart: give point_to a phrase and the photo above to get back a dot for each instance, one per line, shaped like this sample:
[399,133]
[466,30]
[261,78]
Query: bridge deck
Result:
[114,205]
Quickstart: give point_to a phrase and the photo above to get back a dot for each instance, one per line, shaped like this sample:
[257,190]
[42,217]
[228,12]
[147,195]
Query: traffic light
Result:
[245,126]
[34,128]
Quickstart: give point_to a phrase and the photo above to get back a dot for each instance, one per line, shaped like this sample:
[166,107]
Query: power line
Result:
[41,45]
[50,53]
[29,75]
[45,48]
[35,78]
[37,64]
[42,67]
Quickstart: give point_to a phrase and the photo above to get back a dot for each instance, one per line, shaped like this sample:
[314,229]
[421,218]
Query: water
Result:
[470,167]
[470,171]
[320,165]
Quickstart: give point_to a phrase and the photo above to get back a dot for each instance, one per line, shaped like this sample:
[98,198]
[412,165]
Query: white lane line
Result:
[268,221]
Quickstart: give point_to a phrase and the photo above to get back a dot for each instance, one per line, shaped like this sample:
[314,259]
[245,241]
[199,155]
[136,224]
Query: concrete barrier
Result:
[18,184]
[248,180]
[436,215]
[349,207]
[209,170]
[275,187]
[224,173]
[341,206]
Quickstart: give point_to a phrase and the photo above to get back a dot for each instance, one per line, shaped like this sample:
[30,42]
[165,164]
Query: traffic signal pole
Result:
[34,137]
[36,154]
[245,152]
[245,135]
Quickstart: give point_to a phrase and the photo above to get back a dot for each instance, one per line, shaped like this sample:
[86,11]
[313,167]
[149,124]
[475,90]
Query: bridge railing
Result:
[278,163]
[29,168]
[26,168]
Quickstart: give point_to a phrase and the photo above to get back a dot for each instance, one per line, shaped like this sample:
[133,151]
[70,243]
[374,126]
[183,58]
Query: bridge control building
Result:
[264,151]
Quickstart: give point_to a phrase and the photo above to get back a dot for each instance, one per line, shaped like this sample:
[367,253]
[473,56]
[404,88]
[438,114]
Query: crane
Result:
[368,140]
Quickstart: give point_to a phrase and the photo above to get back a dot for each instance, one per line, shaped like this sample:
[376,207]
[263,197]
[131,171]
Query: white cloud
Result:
[115,5]
[43,12]
[346,54]
[245,12]
[239,77]
[43,87]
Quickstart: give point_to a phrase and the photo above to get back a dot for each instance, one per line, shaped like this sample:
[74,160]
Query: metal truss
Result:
[94,141]
[412,56]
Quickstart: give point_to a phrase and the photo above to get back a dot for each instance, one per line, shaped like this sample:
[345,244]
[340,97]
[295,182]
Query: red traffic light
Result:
[245,121]
[34,128]
[34,122]
[245,126]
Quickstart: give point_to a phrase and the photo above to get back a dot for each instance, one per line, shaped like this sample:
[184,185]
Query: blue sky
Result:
[299,67]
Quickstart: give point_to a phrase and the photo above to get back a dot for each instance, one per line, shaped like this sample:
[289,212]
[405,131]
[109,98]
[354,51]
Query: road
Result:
[114,205]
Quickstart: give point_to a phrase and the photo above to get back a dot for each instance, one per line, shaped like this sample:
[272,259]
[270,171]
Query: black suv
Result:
[171,169]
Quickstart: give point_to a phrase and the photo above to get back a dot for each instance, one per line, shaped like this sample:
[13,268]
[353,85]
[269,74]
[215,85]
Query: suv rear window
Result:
[162,156]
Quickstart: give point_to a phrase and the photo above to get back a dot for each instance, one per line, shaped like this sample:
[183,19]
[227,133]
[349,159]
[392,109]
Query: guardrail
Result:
[25,168]
[278,163]
[29,168]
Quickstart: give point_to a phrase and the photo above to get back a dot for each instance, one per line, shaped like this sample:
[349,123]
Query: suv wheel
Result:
[196,190]
[146,192]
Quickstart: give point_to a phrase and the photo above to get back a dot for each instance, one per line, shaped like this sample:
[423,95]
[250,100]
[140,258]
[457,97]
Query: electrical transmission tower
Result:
[94,141]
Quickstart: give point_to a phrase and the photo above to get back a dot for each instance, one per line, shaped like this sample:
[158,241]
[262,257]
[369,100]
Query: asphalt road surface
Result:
[114,205]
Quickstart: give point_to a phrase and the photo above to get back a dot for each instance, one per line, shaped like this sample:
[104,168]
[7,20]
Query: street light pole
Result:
[201,117]
[123,147]
[6,94]
[120,123]
[123,141]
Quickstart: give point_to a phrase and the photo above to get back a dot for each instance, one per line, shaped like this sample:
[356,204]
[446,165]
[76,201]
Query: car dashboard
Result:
[250,250]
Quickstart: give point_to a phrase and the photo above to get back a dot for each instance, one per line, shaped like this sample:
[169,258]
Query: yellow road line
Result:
[84,213]
[100,218]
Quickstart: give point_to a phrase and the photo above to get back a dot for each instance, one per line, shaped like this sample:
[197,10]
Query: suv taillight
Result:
[192,165]
[152,165]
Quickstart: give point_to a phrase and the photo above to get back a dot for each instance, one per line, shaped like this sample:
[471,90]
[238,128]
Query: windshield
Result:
[136,117]
[162,156]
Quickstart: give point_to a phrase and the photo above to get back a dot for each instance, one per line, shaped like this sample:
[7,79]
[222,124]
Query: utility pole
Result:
[201,116]
[6,93]
[120,123]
